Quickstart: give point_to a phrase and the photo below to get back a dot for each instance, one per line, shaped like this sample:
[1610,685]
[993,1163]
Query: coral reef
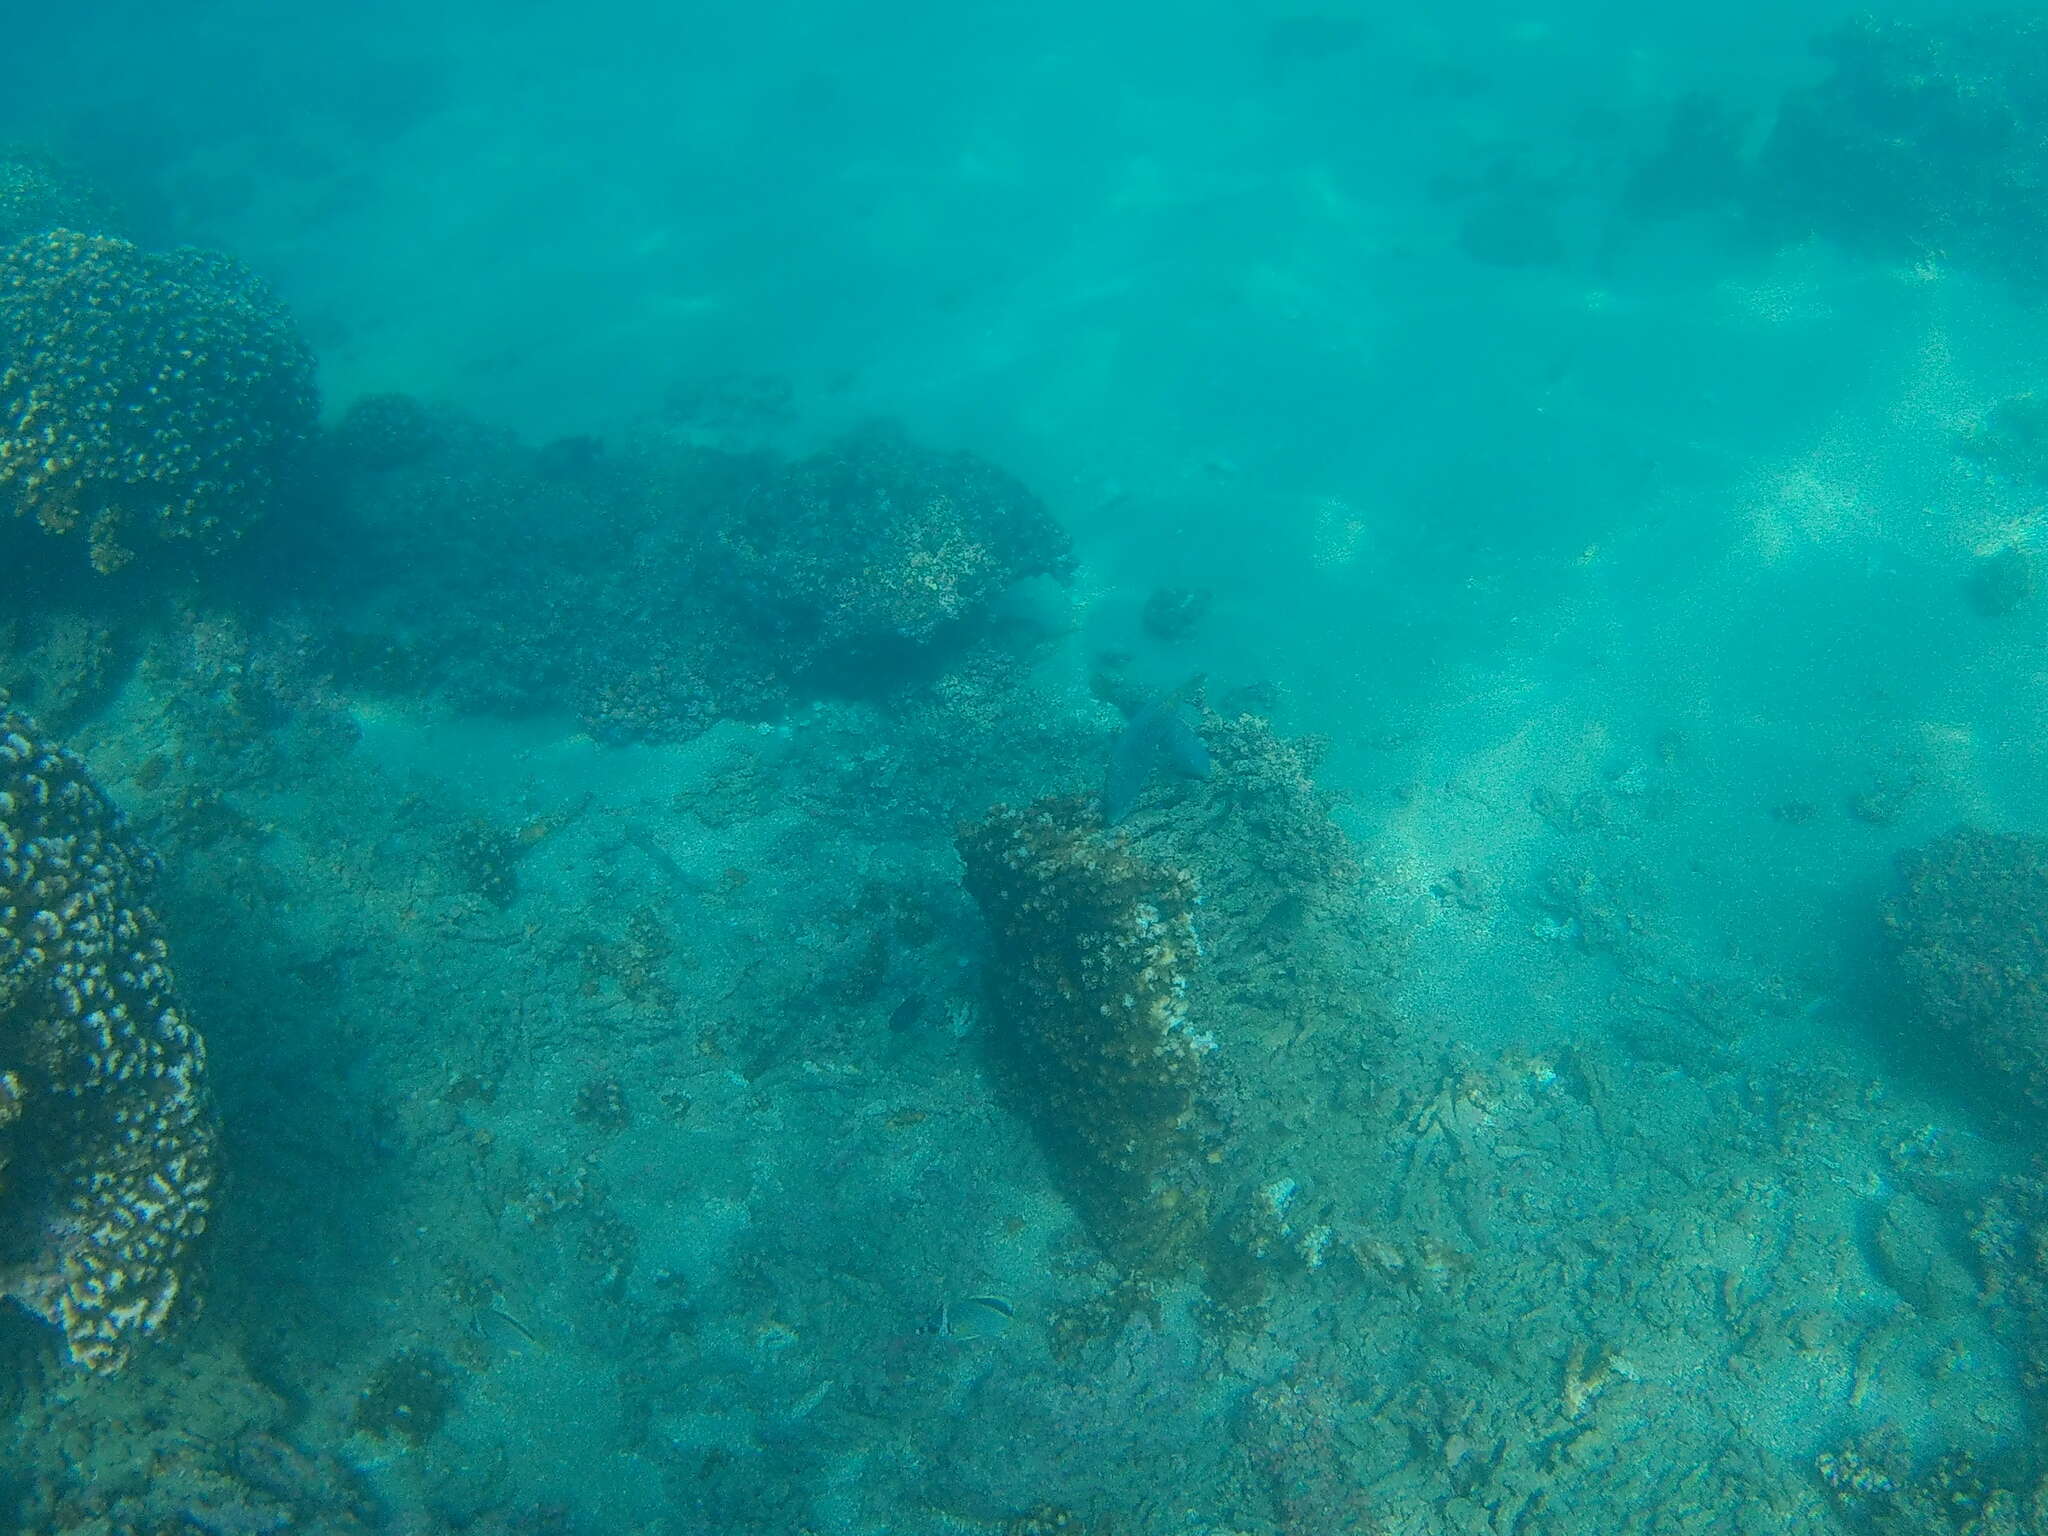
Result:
[875,546]
[1699,165]
[1277,842]
[142,394]
[658,586]
[1875,1484]
[194,1444]
[2009,1239]
[1092,947]
[39,193]
[1972,933]
[662,699]
[1295,976]
[1151,1077]
[385,432]
[601,1103]
[1514,222]
[485,861]
[1923,138]
[62,665]
[107,1156]
[519,564]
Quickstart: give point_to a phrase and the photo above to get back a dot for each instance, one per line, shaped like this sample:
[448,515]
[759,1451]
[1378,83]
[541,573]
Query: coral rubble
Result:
[143,394]
[107,1155]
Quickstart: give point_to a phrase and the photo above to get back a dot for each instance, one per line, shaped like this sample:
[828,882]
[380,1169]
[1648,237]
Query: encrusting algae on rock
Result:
[107,1142]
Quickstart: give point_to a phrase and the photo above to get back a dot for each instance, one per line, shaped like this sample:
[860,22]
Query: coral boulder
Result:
[143,397]
[1092,946]
[107,1144]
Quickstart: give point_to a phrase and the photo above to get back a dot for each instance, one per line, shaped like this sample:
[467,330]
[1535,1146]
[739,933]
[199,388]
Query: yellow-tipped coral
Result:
[143,395]
[107,1146]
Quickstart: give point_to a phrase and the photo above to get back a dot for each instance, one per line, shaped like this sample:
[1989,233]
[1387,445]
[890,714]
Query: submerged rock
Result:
[1093,947]
[1972,930]
[1915,1259]
[1923,137]
[2002,581]
[1159,735]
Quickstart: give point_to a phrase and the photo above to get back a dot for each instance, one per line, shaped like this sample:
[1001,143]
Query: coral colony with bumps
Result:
[107,1145]
[144,397]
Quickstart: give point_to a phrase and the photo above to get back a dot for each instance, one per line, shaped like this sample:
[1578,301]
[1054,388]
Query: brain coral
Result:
[143,393]
[1972,929]
[106,1128]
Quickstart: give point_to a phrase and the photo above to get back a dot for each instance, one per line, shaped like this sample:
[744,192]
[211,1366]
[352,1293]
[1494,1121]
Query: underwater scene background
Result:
[999,769]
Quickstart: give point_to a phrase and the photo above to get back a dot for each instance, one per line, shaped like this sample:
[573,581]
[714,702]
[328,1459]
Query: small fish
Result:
[498,1327]
[906,1013]
[972,1317]
[1157,734]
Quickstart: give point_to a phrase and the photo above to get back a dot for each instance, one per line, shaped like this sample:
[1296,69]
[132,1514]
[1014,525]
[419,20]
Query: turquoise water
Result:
[1531,520]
